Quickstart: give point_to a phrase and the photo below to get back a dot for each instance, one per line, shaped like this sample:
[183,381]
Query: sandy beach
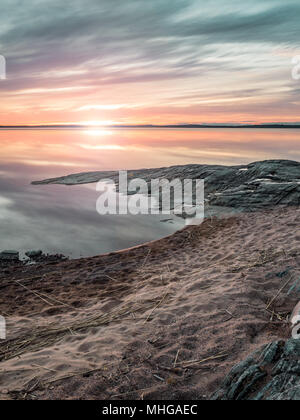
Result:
[165,320]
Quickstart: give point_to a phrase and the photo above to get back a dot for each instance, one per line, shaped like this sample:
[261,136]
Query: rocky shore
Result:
[246,187]
[10,258]
[271,373]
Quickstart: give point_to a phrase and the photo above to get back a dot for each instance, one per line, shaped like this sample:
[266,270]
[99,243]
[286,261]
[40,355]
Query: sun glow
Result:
[98,133]
[102,147]
[98,123]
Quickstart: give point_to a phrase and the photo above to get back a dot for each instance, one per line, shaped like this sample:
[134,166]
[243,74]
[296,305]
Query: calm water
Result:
[63,219]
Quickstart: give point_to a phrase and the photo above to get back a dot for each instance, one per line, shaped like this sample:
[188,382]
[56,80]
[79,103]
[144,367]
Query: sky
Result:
[142,61]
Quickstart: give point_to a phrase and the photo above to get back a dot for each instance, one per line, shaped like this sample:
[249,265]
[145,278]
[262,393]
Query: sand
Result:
[165,320]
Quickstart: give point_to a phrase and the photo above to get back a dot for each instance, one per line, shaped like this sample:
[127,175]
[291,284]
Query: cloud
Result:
[90,47]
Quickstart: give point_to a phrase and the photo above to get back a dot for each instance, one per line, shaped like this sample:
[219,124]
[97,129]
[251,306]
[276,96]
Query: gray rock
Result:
[271,373]
[34,254]
[244,187]
[9,255]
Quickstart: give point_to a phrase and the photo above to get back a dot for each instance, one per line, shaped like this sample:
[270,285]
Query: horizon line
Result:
[183,125]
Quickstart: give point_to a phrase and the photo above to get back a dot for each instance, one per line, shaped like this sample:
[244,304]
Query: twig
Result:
[156,306]
[105,275]
[273,313]
[44,367]
[175,361]
[193,362]
[158,377]
[146,258]
[278,293]
[36,294]
[56,300]
[72,332]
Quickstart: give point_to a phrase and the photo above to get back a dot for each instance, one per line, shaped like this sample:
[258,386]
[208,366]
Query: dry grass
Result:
[45,336]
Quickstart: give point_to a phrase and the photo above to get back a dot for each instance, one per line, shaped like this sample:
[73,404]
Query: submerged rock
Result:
[271,373]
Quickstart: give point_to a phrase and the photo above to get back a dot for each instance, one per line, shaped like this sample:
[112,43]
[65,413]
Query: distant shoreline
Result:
[146,126]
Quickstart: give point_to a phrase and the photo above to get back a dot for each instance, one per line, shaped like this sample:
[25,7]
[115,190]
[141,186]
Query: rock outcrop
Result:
[245,187]
[271,373]
[9,256]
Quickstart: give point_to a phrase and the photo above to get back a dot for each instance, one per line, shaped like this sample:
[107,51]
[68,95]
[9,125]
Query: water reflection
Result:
[59,152]
[64,219]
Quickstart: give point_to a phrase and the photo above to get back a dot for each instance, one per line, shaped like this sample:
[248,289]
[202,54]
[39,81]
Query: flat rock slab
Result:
[254,186]
[271,373]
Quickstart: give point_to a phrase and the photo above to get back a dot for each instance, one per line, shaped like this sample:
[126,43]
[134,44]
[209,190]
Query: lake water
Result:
[60,219]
